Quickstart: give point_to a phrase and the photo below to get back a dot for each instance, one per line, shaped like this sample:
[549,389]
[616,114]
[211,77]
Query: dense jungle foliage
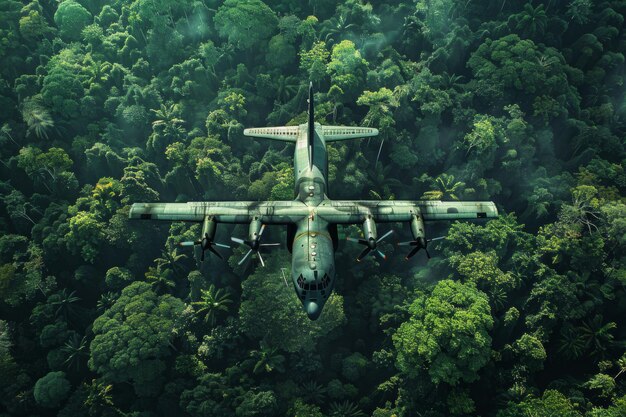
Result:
[108,103]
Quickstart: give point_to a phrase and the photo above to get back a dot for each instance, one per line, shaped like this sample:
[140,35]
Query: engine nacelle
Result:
[370,234]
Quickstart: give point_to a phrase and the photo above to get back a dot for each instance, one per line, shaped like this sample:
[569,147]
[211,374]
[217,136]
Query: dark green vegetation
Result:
[103,105]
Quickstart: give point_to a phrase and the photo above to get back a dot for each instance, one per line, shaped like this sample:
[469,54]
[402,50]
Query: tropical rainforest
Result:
[104,104]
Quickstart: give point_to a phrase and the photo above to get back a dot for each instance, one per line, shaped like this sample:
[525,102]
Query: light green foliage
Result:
[133,337]
[602,384]
[381,104]
[482,269]
[257,404]
[530,352]
[347,68]
[301,409]
[51,389]
[313,62]
[33,24]
[551,403]
[446,335]
[71,18]
[245,23]
[85,235]
[511,63]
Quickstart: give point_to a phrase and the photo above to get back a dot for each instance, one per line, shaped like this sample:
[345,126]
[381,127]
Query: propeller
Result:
[255,245]
[371,246]
[206,244]
[418,244]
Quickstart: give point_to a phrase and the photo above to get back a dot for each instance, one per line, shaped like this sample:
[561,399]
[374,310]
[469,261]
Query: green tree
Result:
[70,17]
[313,62]
[52,389]
[447,334]
[134,336]
[552,403]
[347,69]
[37,118]
[212,301]
[245,23]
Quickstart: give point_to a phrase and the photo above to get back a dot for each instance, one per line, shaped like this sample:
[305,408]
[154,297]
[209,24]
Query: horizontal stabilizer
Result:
[335,133]
[284,133]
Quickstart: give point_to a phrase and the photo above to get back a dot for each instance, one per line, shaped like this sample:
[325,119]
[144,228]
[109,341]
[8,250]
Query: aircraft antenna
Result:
[311,125]
[282,271]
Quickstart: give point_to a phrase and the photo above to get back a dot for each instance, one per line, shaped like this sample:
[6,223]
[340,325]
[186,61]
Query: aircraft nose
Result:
[313,310]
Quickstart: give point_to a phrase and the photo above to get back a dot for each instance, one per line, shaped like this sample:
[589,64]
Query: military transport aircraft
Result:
[312,217]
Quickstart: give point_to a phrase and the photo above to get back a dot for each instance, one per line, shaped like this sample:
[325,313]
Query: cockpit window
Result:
[314,286]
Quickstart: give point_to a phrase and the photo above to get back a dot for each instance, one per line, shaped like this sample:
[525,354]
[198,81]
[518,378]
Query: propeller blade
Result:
[222,245]
[212,249]
[245,257]
[382,255]
[184,244]
[436,238]
[260,258]
[410,243]
[237,240]
[261,231]
[269,244]
[427,254]
[363,254]
[412,253]
[384,236]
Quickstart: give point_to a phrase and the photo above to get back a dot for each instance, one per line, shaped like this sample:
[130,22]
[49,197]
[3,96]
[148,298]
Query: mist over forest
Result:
[104,104]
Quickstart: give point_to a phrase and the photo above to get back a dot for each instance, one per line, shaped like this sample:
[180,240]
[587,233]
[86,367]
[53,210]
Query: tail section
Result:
[282,133]
[330,133]
[336,133]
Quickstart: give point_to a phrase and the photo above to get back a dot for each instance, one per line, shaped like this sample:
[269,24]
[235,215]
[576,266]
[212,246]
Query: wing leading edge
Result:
[239,212]
[333,211]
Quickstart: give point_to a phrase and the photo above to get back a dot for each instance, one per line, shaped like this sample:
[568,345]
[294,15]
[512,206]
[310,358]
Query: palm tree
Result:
[76,350]
[159,279]
[37,118]
[452,82]
[6,131]
[313,392]
[170,258]
[446,187]
[100,398]
[286,87]
[532,20]
[106,300]
[167,118]
[337,26]
[622,366]
[383,182]
[212,301]
[597,336]
[267,359]
[65,303]
[345,409]
[571,343]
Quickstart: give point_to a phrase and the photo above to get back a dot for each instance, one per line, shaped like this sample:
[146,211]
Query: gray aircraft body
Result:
[312,217]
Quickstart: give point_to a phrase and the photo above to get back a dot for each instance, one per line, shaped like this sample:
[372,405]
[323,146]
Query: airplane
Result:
[312,217]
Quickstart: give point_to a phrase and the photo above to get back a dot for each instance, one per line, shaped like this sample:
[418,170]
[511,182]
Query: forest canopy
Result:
[104,104]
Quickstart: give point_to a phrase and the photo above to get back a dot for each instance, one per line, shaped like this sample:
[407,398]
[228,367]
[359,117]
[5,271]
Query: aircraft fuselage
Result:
[313,250]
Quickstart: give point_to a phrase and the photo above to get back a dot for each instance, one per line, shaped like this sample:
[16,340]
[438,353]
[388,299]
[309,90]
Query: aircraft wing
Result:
[268,212]
[333,211]
[386,211]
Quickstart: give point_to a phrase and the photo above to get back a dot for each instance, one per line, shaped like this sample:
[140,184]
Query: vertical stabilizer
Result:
[311,135]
